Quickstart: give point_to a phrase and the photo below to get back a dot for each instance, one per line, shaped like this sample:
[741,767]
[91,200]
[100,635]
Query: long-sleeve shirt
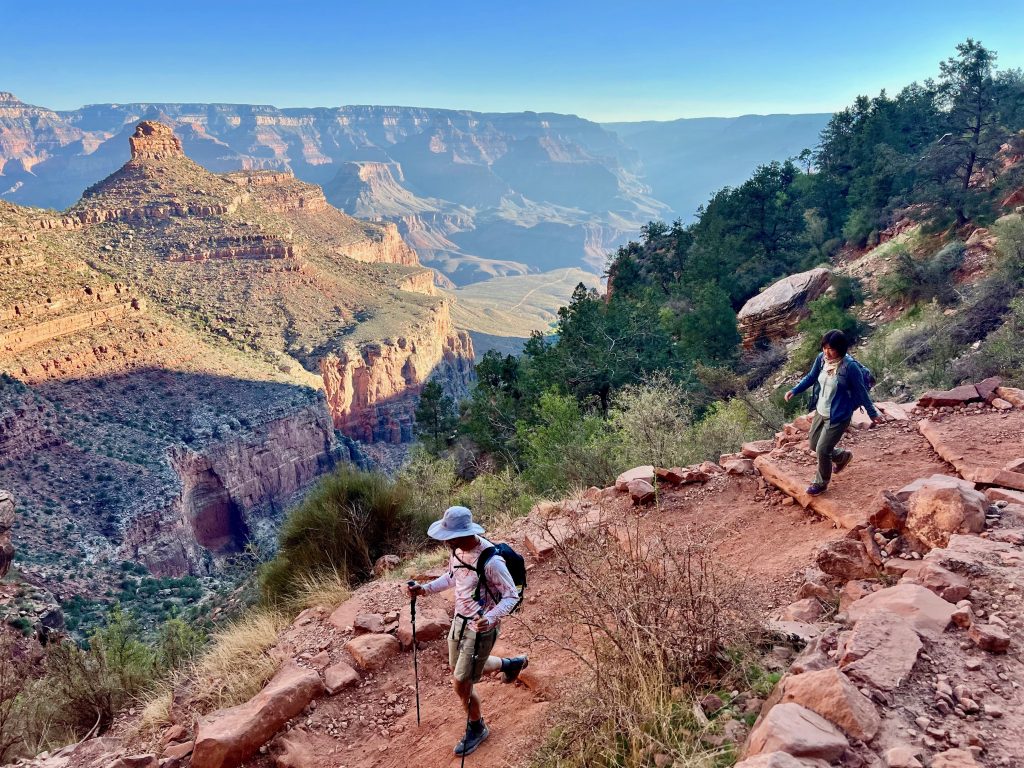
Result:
[851,392]
[463,577]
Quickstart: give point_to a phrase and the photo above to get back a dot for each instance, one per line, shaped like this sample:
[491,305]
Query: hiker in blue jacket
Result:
[839,389]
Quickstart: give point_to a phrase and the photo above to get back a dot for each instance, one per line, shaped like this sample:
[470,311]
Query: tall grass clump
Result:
[349,520]
[653,625]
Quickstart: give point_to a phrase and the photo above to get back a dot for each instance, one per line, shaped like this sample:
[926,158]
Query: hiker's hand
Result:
[788,396]
[877,419]
[482,624]
[414,590]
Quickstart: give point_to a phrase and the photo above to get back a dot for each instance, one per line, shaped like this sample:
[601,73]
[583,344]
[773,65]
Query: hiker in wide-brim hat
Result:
[479,609]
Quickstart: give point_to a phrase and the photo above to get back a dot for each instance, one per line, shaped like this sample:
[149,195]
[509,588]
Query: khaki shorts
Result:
[460,654]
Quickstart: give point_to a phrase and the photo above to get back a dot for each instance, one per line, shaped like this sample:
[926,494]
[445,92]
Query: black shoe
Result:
[472,739]
[842,461]
[510,668]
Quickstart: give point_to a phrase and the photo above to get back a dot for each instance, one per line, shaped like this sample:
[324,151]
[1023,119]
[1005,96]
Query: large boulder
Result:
[779,760]
[965,393]
[846,559]
[228,737]
[830,693]
[798,731]
[951,587]
[774,313]
[934,513]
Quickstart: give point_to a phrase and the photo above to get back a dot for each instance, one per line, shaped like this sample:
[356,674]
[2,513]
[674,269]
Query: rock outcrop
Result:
[154,141]
[774,313]
[372,388]
[6,524]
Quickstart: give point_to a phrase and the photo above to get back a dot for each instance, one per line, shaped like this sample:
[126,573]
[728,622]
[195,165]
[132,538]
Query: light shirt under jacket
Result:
[462,575]
[828,386]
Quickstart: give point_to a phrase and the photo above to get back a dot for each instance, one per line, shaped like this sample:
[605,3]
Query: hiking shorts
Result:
[461,639]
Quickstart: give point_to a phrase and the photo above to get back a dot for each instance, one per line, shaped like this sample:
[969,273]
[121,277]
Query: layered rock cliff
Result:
[233,491]
[372,389]
[6,524]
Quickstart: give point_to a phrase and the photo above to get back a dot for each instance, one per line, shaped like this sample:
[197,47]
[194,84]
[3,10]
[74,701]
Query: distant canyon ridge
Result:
[477,195]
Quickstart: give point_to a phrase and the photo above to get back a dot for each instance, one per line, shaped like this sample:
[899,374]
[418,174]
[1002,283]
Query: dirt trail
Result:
[756,536]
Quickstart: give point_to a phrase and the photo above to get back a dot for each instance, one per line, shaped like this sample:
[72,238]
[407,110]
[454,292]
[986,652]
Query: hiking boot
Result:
[842,461]
[510,668]
[815,490]
[474,738]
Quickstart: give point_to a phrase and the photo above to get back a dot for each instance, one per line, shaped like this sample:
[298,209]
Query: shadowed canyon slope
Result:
[182,352]
[476,195]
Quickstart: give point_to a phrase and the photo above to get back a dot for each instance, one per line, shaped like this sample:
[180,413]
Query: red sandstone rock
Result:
[854,590]
[226,738]
[987,388]
[368,622]
[295,749]
[831,694]
[923,611]
[339,676]
[775,312]
[178,751]
[6,524]
[950,586]
[637,473]
[954,758]
[754,449]
[934,513]
[845,559]
[431,624]
[738,467]
[890,513]
[385,564]
[893,411]
[932,481]
[965,393]
[902,757]
[798,731]
[641,491]
[779,760]
[989,637]
[808,610]
[880,651]
[154,141]
[372,652]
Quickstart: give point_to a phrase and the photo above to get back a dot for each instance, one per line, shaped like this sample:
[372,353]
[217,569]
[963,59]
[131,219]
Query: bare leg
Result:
[470,701]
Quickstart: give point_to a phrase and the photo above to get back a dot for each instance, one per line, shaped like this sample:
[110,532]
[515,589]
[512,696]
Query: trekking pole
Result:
[415,652]
[472,669]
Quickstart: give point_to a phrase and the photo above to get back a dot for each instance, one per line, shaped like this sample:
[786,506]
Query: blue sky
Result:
[604,61]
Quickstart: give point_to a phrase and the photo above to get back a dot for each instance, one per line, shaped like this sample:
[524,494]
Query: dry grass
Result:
[653,625]
[327,589]
[233,668]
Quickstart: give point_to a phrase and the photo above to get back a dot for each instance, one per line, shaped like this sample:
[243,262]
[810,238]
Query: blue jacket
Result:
[851,393]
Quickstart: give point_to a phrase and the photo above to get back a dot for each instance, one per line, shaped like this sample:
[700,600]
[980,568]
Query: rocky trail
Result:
[899,589]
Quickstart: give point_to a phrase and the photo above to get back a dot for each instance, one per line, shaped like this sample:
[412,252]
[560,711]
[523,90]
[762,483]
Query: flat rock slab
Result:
[798,731]
[886,457]
[830,693]
[980,445]
[431,624]
[228,737]
[924,611]
[880,651]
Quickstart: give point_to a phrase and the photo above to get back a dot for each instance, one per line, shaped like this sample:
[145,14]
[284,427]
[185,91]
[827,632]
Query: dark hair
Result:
[837,340]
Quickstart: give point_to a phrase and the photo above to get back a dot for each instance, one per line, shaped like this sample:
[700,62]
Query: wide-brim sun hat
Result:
[457,521]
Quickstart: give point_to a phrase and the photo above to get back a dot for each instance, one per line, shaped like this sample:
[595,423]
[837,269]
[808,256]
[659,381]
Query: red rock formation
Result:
[384,246]
[6,524]
[21,339]
[230,488]
[775,312]
[372,389]
[154,141]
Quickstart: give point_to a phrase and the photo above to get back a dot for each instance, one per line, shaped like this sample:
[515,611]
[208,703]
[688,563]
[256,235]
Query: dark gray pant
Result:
[824,437]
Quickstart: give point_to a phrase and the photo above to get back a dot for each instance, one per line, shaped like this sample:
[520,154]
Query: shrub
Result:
[914,279]
[566,448]
[724,428]
[658,622]
[649,422]
[496,498]
[349,520]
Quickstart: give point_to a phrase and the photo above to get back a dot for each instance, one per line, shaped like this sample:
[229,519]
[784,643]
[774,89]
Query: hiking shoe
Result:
[472,740]
[510,668]
[815,490]
[842,461]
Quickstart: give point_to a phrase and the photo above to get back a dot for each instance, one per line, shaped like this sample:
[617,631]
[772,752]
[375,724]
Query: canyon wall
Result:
[372,388]
[384,246]
[234,491]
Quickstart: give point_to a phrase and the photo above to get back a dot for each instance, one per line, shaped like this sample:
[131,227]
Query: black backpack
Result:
[516,568]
